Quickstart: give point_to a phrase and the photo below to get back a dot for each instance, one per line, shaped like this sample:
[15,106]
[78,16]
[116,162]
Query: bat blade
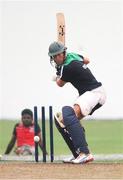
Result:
[60,27]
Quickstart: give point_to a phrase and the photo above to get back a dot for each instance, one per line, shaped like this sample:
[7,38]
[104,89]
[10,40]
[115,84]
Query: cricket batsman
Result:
[72,68]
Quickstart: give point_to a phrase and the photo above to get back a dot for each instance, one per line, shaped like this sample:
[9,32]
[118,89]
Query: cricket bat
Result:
[60,27]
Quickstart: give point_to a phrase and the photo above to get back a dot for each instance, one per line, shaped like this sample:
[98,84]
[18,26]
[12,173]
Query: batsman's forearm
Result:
[60,83]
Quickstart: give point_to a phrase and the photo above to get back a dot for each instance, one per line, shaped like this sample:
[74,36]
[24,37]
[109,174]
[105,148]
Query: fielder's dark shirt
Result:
[79,75]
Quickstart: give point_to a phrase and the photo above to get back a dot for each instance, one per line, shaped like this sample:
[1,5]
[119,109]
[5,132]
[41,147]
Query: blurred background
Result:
[93,29]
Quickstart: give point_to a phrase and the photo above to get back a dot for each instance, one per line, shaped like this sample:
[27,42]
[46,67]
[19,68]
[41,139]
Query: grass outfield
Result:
[104,137]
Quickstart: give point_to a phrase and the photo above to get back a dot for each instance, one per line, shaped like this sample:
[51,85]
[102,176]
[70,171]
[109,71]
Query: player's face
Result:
[59,58]
[27,120]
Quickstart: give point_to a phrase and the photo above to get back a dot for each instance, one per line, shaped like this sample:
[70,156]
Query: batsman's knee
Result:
[69,115]
[78,111]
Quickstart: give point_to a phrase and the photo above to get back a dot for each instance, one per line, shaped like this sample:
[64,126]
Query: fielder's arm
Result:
[11,144]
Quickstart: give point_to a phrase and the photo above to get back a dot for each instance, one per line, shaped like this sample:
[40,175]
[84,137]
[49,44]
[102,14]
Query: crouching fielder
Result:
[72,67]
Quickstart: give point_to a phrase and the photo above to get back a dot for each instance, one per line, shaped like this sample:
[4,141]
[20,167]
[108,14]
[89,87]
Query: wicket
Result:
[35,126]
[43,124]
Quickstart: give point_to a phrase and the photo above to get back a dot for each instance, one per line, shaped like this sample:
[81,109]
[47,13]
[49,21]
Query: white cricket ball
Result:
[36,138]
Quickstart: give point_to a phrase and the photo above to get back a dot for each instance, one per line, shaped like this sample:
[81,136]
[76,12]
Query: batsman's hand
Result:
[55,78]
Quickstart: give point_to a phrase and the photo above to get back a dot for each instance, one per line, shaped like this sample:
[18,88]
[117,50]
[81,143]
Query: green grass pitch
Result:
[104,137]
